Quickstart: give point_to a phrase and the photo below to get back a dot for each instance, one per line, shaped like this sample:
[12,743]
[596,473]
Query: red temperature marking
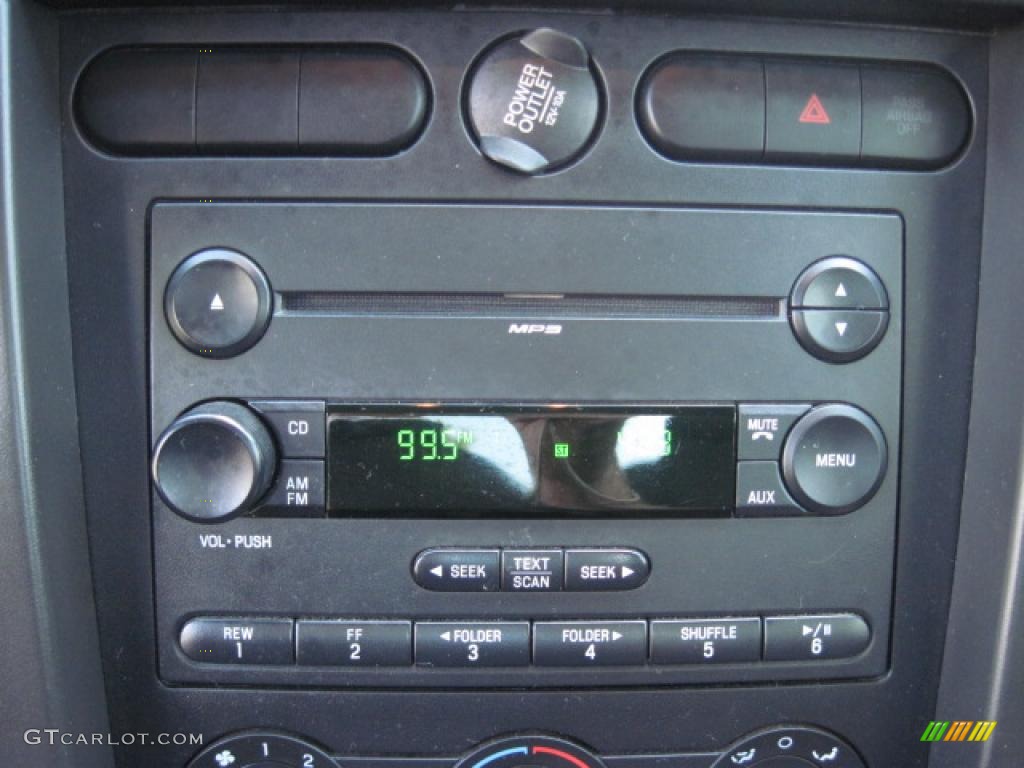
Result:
[559,753]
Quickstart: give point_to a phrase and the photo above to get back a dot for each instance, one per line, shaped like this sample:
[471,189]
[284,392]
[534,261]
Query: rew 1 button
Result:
[458,570]
[834,459]
[238,641]
[533,101]
[218,303]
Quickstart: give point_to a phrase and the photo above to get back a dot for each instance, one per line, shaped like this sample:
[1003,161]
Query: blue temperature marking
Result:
[499,755]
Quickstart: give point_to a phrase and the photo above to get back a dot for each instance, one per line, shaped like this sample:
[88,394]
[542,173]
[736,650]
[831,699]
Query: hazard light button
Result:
[813,112]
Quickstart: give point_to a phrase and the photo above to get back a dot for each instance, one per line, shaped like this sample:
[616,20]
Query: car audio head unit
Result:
[557,446]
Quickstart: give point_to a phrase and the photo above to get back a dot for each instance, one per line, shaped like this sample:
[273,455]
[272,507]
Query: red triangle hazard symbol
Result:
[815,112]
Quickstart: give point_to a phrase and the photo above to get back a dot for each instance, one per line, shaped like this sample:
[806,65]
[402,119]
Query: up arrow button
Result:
[597,570]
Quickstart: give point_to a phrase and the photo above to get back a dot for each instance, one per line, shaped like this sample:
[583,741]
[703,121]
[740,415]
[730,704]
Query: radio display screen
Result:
[551,461]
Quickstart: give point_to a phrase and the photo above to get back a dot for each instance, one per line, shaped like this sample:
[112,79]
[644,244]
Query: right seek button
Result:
[603,570]
[807,638]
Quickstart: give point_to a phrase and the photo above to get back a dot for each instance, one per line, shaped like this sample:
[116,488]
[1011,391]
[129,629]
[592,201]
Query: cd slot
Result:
[527,305]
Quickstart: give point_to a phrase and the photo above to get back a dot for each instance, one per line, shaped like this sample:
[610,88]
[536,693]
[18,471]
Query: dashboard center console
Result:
[520,389]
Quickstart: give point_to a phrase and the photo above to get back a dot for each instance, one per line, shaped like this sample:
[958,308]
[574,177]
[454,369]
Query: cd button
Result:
[839,336]
[760,491]
[474,644]
[238,641]
[705,641]
[806,638]
[298,426]
[532,570]
[763,428]
[590,644]
[605,570]
[354,644]
[458,570]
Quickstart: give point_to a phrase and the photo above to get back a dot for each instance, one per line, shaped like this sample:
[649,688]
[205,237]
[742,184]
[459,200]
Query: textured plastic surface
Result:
[254,100]
[984,661]
[884,716]
[51,672]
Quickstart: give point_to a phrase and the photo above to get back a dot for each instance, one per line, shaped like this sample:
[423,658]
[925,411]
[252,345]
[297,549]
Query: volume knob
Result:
[214,462]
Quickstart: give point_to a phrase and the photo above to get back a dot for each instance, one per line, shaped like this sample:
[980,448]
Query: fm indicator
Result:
[545,461]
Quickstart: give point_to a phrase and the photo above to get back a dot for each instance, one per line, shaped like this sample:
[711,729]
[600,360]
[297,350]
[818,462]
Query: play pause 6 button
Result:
[806,638]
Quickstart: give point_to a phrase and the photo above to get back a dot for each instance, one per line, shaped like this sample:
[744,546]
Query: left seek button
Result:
[238,641]
[458,570]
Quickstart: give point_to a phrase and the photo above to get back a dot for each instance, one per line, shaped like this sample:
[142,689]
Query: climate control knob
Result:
[214,462]
[530,752]
[790,746]
[262,749]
